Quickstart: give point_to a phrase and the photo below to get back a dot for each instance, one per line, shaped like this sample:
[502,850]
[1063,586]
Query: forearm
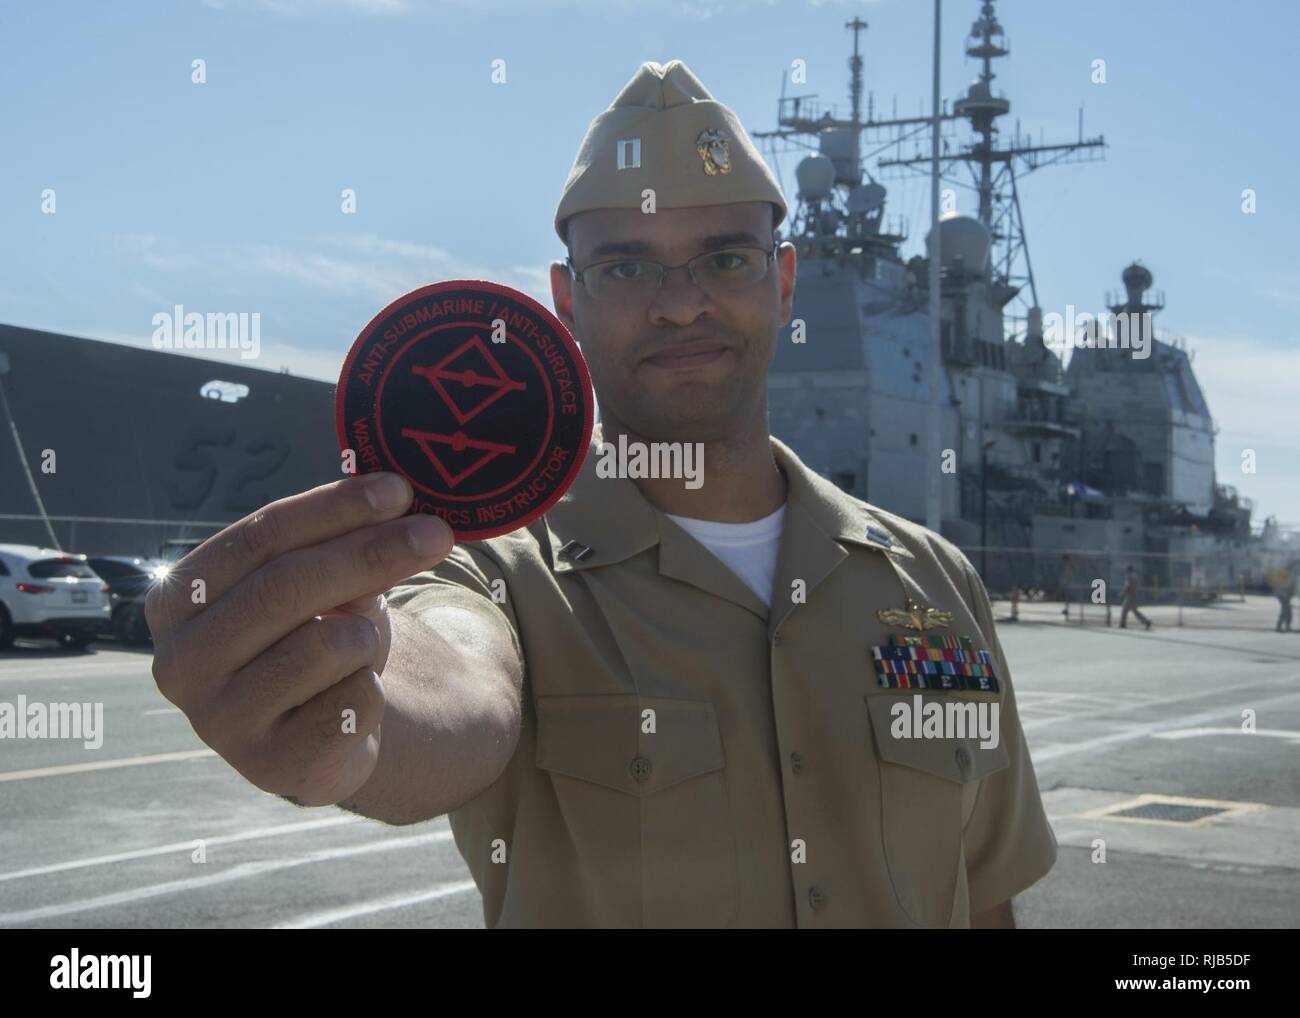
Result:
[451,718]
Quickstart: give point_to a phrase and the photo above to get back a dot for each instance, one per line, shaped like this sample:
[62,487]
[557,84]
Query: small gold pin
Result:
[913,616]
[714,150]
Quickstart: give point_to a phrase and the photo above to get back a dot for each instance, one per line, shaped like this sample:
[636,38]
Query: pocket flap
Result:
[954,759]
[600,739]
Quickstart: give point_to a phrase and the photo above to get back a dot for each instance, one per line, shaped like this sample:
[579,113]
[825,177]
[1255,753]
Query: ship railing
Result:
[1207,588]
[801,109]
[111,535]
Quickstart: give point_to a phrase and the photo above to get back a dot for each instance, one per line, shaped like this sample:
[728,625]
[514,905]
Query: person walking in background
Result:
[1130,595]
[1067,574]
[1284,589]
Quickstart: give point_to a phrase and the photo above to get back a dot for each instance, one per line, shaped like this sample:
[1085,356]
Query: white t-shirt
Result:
[748,549]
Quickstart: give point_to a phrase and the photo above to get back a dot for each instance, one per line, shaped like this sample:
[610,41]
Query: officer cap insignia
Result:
[714,150]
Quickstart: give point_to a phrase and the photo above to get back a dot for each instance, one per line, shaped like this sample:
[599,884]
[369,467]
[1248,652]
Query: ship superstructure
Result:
[1113,457]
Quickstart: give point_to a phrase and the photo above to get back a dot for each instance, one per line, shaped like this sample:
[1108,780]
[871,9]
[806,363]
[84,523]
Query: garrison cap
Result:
[665,132]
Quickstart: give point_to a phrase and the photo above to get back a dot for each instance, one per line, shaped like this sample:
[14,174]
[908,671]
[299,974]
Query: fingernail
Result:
[387,491]
[428,535]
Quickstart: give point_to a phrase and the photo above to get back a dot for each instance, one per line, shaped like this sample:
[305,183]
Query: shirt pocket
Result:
[928,788]
[647,812]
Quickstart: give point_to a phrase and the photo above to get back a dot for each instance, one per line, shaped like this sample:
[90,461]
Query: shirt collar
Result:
[604,520]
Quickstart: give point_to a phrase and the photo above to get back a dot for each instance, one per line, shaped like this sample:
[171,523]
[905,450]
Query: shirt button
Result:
[963,759]
[816,897]
[640,768]
[796,763]
[776,640]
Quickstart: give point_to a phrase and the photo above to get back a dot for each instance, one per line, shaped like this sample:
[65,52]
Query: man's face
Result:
[685,364]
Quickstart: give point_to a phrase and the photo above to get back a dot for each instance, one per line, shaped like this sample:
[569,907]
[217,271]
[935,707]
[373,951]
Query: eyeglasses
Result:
[637,280]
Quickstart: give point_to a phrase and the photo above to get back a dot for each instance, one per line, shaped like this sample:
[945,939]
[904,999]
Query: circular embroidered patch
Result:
[474,393]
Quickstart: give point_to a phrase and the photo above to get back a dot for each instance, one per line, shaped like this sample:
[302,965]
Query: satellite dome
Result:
[963,237]
[816,176]
[1137,277]
[866,197]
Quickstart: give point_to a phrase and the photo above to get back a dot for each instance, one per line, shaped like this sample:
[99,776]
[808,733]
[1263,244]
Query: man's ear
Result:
[562,294]
[787,263]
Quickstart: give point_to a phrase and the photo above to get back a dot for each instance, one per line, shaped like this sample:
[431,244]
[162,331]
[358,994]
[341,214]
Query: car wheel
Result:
[6,630]
[135,630]
[122,624]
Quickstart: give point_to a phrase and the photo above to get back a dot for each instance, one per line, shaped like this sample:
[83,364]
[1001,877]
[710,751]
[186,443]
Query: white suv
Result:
[50,593]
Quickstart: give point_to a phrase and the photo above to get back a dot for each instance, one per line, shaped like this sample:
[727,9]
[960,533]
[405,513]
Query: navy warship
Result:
[114,449]
[1104,461]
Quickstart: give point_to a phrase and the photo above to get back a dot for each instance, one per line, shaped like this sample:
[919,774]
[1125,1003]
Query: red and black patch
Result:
[474,393]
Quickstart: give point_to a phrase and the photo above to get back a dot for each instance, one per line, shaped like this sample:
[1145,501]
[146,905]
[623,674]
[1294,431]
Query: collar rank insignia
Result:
[949,663]
[714,150]
[913,616]
[880,536]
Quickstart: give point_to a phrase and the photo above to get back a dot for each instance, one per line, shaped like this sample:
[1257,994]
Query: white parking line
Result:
[181,846]
[104,765]
[1055,750]
[243,871]
[1081,715]
[1191,733]
[315,920]
[99,673]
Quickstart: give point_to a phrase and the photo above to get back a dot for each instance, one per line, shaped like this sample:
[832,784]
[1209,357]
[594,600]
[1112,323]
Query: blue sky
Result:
[226,195]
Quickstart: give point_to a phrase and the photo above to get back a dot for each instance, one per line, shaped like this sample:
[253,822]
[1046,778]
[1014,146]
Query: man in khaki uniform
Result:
[681,741]
[657,705]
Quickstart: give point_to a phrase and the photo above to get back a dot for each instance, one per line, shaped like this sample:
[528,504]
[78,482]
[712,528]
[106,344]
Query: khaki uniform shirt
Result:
[688,758]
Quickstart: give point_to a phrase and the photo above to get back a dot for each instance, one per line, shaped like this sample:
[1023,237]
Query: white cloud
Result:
[322,365]
[695,9]
[152,249]
[383,269]
[377,269]
[365,271]
[1246,382]
[301,8]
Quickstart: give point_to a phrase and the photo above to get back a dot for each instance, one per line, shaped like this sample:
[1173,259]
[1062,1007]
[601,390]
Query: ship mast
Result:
[995,167]
[855,70]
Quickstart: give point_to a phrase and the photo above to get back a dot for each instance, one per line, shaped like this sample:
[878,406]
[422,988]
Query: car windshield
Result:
[111,569]
[59,568]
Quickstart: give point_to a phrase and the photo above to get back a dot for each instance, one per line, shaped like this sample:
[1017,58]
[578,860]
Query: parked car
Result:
[49,593]
[129,578]
[174,549]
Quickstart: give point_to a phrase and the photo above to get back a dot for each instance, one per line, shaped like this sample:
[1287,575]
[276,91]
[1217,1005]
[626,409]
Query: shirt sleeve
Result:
[470,578]
[1009,844]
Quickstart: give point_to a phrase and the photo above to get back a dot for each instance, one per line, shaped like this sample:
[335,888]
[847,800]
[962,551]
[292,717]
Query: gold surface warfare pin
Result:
[913,616]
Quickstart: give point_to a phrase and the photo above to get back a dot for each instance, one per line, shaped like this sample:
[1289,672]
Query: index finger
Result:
[297,521]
